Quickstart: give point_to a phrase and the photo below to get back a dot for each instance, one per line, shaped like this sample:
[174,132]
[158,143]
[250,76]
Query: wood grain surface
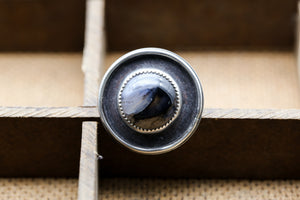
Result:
[41,25]
[92,66]
[88,171]
[192,24]
[41,79]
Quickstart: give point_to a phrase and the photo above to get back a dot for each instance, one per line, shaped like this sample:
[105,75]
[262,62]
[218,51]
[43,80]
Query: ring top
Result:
[150,100]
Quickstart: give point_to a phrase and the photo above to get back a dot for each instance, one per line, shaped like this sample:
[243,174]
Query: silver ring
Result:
[159,139]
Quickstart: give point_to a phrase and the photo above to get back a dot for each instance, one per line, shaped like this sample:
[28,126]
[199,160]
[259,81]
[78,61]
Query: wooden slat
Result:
[83,112]
[88,173]
[91,113]
[92,68]
[93,53]
[256,114]
[298,41]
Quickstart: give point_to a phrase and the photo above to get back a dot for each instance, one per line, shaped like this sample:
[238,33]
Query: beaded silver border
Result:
[177,93]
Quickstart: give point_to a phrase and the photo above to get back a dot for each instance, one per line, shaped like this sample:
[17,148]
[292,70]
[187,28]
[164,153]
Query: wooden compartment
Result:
[243,52]
[40,62]
[40,59]
[248,68]
[41,79]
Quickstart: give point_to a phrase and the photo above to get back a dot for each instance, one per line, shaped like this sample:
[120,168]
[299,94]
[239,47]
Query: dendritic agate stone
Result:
[149,101]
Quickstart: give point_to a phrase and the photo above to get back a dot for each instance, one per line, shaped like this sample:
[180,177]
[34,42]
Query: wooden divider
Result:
[91,66]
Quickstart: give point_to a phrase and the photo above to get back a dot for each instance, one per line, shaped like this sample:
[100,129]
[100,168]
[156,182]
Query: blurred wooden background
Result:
[35,25]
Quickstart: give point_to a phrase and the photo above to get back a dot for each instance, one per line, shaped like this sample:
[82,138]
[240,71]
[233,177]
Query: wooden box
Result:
[243,52]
